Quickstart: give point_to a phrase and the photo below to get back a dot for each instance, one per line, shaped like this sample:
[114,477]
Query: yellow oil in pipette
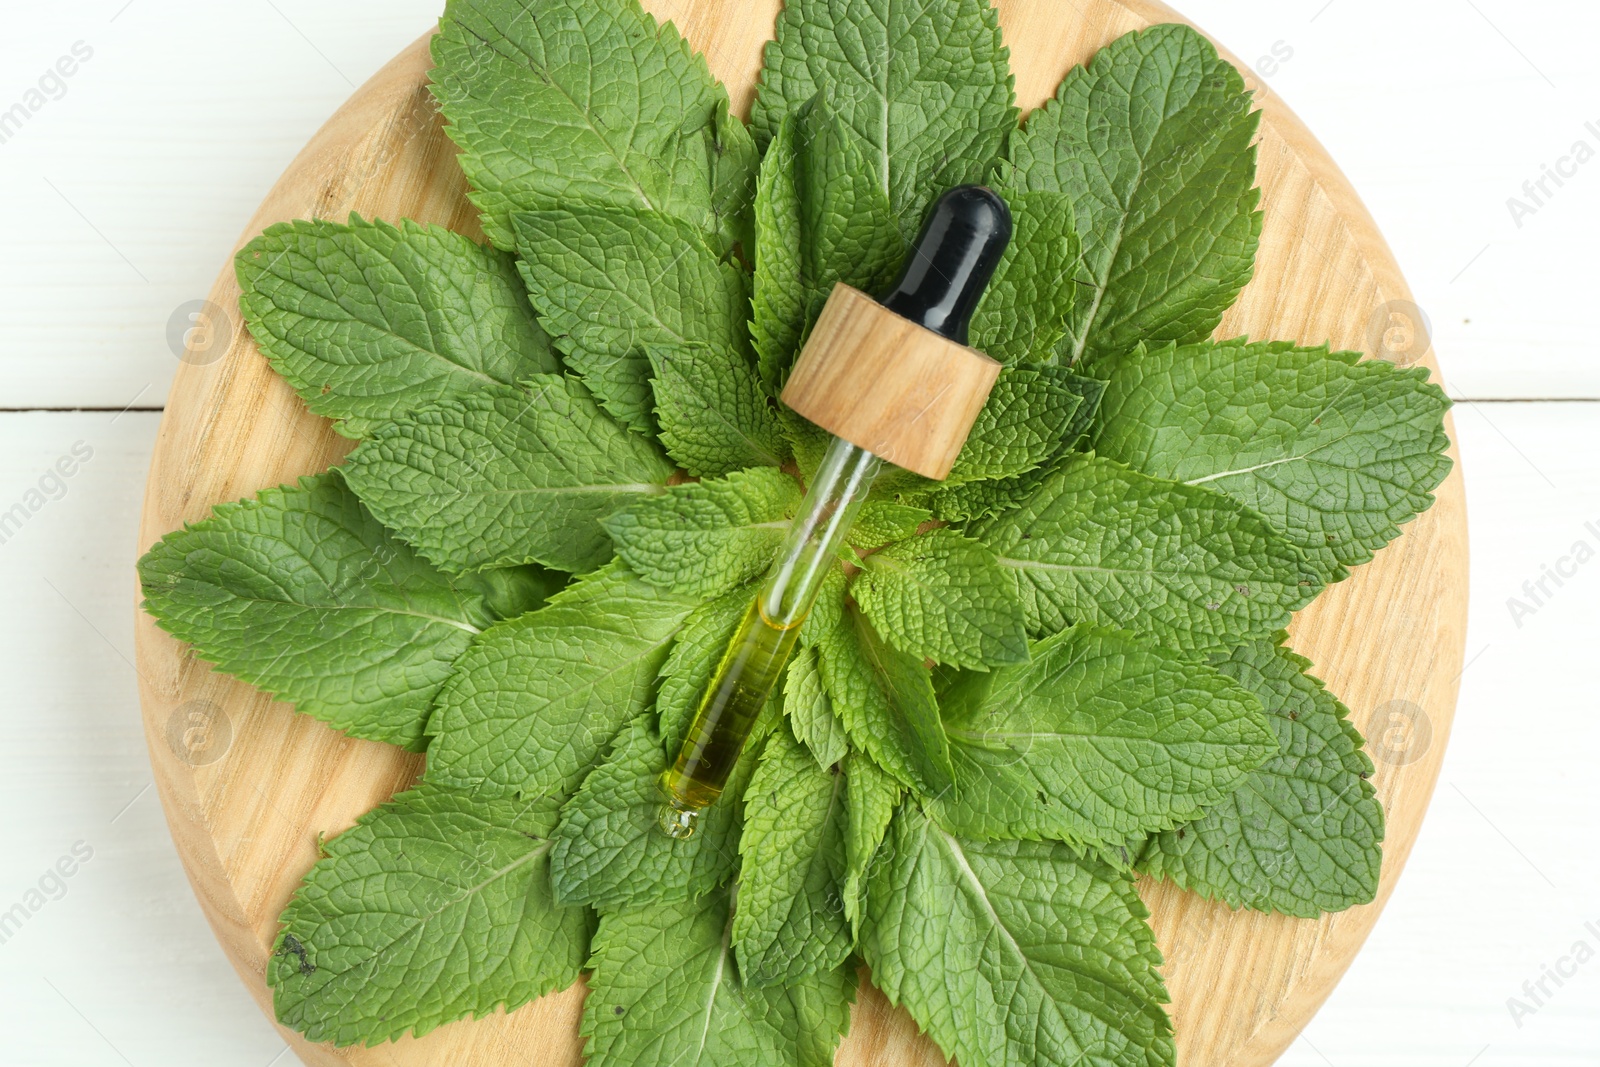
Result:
[739,688]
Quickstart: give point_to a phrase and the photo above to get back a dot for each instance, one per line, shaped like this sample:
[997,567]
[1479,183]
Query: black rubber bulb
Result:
[961,242]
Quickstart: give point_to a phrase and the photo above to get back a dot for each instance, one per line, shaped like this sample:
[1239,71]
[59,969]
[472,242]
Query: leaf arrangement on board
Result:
[1061,667]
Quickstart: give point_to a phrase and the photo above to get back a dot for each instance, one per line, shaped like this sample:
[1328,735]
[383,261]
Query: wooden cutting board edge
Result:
[237,409]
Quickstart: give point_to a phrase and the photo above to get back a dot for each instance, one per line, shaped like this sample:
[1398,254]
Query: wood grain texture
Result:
[1243,984]
[926,390]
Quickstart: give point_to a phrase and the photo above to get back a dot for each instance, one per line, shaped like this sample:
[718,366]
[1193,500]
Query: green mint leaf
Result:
[883,696]
[1014,952]
[609,285]
[1303,835]
[714,415]
[977,500]
[1100,543]
[1023,424]
[883,522]
[872,796]
[512,591]
[827,616]
[1099,739]
[943,597]
[704,538]
[1024,312]
[370,322]
[1088,394]
[822,218]
[790,922]
[695,654]
[813,1012]
[666,990]
[971,501]
[555,101]
[778,295]
[535,700]
[735,161]
[510,478]
[848,223]
[926,88]
[808,441]
[610,851]
[303,594]
[1091,394]
[1152,142]
[810,711]
[434,907]
[1333,451]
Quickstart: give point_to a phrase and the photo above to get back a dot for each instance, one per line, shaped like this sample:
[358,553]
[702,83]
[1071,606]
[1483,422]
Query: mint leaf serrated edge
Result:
[1101,739]
[645,137]
[1184,162]
[370,322]
[1337,452]
[1303,834]
[371,950]
[330,611]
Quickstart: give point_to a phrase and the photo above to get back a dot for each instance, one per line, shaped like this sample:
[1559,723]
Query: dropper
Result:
[894,373]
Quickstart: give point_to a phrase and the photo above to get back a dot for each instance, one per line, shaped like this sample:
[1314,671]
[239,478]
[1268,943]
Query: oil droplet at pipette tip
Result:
[677,822]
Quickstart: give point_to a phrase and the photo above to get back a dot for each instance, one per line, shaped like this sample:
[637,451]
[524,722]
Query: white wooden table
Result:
[123,192]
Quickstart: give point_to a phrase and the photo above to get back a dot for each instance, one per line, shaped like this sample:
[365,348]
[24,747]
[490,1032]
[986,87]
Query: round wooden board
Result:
[246,824]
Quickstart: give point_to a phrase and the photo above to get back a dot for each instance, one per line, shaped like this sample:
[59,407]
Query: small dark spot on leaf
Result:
[1181,833]
[619,1009]
[1295,715]
[293,947]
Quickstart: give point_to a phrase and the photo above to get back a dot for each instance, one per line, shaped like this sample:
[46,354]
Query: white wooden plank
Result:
[121,968]
[1439,111]
[122,199]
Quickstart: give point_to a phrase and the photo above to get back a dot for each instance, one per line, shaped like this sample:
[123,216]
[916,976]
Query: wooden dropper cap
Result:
[895,376]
